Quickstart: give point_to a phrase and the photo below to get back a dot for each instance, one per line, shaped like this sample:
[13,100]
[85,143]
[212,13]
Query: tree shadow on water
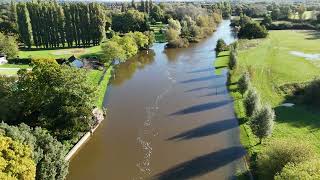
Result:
[202,165]
[201,79]
[205,87]
[201,107]
[201,70]
[206,130]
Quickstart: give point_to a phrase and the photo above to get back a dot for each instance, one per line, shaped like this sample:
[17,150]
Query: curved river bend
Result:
[169,117]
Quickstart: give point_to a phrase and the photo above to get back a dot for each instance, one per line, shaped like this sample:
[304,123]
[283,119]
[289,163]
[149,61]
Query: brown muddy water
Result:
[169,117]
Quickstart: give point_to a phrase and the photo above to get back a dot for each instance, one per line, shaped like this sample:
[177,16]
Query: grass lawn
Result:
[61,52]
[221,62]
[156,28]
[94,77]
[11,69]
[271,65]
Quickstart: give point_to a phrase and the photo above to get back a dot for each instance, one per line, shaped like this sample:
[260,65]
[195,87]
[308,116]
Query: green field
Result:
[271,65]
[61,52]
[11,69]
[156,28]
[221,62]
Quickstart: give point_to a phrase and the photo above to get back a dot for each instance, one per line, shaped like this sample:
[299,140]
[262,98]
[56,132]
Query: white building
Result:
[3,59]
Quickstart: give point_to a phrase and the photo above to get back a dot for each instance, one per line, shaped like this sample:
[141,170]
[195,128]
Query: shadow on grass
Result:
[222,56]
[203,164]
[201,107]
[313,35]
[206,130]
[298,116]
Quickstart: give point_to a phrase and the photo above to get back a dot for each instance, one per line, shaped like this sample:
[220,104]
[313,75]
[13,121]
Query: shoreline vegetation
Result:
[275,73]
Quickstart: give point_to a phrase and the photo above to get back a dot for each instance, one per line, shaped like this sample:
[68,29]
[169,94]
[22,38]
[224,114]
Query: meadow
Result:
[271,64]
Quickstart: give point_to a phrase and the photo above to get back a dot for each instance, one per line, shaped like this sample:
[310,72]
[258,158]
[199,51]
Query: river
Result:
[169,117]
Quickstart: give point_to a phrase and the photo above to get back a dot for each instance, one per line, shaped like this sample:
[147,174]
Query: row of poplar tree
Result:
[50,24]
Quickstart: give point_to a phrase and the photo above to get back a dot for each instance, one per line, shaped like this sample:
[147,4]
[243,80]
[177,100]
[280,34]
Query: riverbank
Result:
[271,65]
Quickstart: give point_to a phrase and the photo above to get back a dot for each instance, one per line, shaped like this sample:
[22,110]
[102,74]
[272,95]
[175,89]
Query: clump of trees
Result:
[8,46]
[16,160]
[48,24]
[47,154]
[189,23]
[51,96]
[244,83]
[131,20]
[252,30]
[122,48]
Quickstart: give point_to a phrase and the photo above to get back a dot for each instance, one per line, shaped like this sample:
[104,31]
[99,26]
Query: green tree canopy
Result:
[8,46]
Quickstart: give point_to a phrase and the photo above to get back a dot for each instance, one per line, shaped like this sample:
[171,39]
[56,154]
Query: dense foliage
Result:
[251,102]
[122,48]
[305,170]
[131,20]
[55,97]
[47,153]
[15,160]
[252,30]
[8,46]
[49,24]
[280,153]
[8,18]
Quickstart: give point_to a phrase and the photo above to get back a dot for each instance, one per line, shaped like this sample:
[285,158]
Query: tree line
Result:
[50,24]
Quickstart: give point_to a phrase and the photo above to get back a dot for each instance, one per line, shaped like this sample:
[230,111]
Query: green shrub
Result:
[312,93]
[262,122]
[244,83]
[233,60]
[251,102]
[306,170]
[221,46]
[278,153]
[252,30]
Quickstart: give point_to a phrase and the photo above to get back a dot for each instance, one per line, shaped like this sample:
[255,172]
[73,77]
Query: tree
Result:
[8,46]
[251,102]
[233,60]
[267,21]
[113,51]
[16,160]
[132,20]
[304,170]
[244,83]
[47,153]
[24,25]
[262,122]
[157,13]
[55,97]
[133,5]
[252,30]
[301,9]
[221,46]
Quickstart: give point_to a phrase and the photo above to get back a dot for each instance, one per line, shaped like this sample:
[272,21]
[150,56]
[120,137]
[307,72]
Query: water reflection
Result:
[126,70]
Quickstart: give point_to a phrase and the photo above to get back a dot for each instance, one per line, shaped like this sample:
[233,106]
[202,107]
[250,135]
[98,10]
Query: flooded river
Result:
[169,117]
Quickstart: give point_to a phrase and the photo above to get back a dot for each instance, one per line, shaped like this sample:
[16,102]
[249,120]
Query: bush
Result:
[252,30]
[221,46]
[251,102]
[279,153]
[36,61]
[244,82]
[312,93]
[262,122]
[233,60]
[305,170]
[19,61]
[8,46]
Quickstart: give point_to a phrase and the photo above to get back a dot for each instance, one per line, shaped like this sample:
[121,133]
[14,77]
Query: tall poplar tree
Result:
[24,24]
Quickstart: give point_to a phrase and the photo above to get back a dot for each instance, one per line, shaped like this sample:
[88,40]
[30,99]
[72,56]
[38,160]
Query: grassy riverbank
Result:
[271,64]
[101,80]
